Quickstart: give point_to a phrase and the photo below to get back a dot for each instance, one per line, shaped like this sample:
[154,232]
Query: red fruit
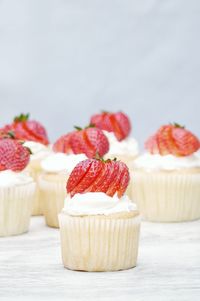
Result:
[118,123]
[88,141]
[63,144]
[95,175]
[173,139]
[25,129]
[13,155]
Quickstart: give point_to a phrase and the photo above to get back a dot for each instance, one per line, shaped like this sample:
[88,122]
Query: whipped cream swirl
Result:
[128,146]
[94,203]
[168,162]
[39,150]
[58,162]
[10,178]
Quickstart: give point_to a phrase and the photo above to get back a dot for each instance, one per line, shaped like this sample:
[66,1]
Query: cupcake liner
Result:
[167,196]
[53,193]
[35,171]
[98,242]
[15,208]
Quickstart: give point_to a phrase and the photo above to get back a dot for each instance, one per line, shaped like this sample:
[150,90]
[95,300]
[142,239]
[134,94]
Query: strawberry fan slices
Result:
[88,141]
[22,128]
[173,139]
[95,175]
[118,123]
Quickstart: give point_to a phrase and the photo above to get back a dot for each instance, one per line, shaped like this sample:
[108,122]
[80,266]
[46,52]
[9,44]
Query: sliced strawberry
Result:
[78,174]
[151,145]
[124,181]
[115,183]
[25,130]
[94,175]
[186,142]
[13,155]
[63,144]
[88,141]
[124,124]
[173,139]
[88,178]
[118,123]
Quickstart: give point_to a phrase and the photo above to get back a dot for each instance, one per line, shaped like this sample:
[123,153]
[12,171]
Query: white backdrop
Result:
[63,60]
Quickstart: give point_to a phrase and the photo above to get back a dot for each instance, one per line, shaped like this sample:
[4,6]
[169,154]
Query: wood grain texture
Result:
[168,267]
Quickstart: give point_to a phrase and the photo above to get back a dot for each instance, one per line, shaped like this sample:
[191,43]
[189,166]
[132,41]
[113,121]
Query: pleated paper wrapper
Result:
[99,242]
[167,196]
[15,208]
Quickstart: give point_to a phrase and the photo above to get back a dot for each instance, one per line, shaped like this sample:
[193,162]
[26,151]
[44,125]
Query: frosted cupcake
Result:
[167,177]
[99,226]
[117,128]
[36,139]
[16,188]
[69,150]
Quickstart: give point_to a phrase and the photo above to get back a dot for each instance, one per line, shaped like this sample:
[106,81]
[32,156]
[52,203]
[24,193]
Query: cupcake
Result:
[16,188]
[117,128]
[167,176]
[36,139]
[69,150]
[99,227]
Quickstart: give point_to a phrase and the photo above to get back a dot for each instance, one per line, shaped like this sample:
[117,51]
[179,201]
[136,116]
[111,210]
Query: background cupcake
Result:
[16,188]
[99,227]
[35,136]
[167,177]
[68,151]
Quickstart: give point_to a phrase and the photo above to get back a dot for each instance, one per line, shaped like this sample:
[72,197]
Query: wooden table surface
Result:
[168,267]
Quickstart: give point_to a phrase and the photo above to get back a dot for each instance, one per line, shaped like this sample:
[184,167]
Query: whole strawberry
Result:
[173,139]
[27,130]
[88,141]
[96,175]
[13,155]
[118,123]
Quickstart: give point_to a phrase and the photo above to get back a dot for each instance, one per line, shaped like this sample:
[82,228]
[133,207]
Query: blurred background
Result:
[63,60]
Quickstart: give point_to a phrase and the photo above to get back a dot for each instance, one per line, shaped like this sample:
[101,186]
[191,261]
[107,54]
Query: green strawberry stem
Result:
[22,117]
[177,125]
[78,128]
[11,134]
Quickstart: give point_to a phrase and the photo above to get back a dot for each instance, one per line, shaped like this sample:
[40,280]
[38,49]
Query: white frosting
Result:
[58,162]
[167,162]
[92,203]
[10,178]
[128,146]
[39,150]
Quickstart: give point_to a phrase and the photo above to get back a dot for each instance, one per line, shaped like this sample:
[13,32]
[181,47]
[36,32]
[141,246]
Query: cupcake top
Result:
[22,128]
[14,158]
[88,141]
[60,162]
[171,147]
[96,186]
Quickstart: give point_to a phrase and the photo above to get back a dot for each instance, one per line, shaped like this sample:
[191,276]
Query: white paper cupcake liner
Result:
[99,243]
[15,208]
[53,193]
[167,196]
[35,171]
